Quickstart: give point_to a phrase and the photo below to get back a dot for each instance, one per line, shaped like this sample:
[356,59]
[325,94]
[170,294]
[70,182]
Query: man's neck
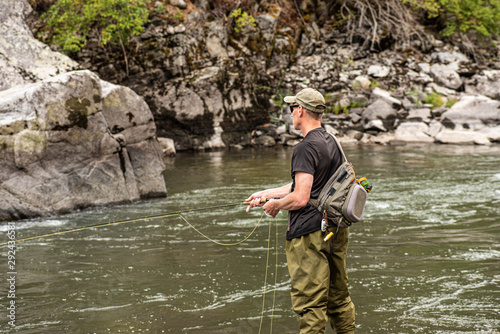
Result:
[308,127]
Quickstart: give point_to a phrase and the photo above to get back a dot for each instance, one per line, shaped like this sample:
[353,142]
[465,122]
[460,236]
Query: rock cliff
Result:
[210,86]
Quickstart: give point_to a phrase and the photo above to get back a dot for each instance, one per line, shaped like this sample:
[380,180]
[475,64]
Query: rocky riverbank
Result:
[210,87]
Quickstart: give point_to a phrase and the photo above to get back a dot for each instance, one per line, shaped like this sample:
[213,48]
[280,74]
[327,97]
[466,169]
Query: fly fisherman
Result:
[317,268]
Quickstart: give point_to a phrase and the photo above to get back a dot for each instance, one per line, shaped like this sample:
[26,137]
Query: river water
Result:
[425,259]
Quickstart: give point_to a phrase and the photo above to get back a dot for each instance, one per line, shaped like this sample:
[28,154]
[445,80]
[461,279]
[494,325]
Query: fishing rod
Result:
[165,215]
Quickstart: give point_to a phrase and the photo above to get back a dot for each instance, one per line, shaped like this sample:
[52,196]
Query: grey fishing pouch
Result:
[342,199]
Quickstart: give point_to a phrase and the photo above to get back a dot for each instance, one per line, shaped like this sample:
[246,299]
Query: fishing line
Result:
[179,214]
[275,275]
[220,243]
[165,215]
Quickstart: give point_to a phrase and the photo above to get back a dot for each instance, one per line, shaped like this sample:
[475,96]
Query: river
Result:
[425,259]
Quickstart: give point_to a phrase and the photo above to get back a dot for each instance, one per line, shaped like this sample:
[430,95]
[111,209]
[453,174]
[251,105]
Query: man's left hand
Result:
[271,208]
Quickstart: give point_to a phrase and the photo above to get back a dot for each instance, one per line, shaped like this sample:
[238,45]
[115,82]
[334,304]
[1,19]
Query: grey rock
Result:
[266,141]
[424,67]
[331,129]
[378,71]
[434,128]
[355,118]
[446,75]
[473,108]
[375,124]
[345,141]
[282,129]
[378,93]
[447,136]
[413,132]
[381,112]
[488,84]
[266,21]
[66,137]
[446,57]
[168,147]
[383,138]
[492,133]
[358,135]
[442,90]
[179,3]
[362,81]
[23,59]
[419,114]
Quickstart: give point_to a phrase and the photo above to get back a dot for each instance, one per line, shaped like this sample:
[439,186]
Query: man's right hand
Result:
[255,200]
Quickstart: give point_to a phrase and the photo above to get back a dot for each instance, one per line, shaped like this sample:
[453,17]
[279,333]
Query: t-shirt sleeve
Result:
[305,159]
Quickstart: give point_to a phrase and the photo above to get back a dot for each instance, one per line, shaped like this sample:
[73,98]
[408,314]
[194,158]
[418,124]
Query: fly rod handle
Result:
[262,201]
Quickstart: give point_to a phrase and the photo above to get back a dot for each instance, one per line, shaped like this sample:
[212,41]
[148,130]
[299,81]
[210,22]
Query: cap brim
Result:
[289,99]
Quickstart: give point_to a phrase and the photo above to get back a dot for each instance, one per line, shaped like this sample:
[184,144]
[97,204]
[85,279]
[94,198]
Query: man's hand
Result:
[255,200]
[271,208]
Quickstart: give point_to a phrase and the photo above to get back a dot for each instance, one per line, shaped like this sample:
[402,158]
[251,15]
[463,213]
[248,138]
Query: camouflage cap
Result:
[310,99]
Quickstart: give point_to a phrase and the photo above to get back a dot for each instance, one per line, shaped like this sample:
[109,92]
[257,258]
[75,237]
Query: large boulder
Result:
[379,111]
[472,112]
[211,108]
[487,84]
[23,59]
[413,132]
[462,137]
[74,141]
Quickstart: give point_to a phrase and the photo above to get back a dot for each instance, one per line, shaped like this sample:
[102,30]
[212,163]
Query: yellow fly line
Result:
[166,215]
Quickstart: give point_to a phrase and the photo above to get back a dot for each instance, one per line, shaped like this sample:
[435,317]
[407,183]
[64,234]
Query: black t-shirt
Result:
[318,155]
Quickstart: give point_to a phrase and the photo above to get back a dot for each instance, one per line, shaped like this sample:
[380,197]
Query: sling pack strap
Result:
[339,146]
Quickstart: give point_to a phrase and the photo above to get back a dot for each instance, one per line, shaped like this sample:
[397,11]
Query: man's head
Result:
[307,109]
[310,99]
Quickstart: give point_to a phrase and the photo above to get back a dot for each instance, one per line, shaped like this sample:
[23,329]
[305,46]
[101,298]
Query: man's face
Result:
[294,107]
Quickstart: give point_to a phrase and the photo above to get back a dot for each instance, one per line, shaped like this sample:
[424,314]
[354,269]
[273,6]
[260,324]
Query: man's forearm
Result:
[276,192]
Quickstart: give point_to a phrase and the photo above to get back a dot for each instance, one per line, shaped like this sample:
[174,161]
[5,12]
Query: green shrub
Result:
[436,99]
[72,21]
[243,19]
[482,16]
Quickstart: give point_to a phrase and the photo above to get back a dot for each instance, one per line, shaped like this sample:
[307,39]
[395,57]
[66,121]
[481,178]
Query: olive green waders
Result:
[319,282]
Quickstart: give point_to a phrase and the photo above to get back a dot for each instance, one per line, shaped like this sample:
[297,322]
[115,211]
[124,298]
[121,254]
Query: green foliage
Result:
[277,98]
[436,99]
[482,16]
[116,20]
[243,19]
[337,109]
[431,7]
[451,102]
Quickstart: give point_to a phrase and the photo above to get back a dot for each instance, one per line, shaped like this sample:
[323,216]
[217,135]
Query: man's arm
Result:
[296,199]
[292,201]
[280,192]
